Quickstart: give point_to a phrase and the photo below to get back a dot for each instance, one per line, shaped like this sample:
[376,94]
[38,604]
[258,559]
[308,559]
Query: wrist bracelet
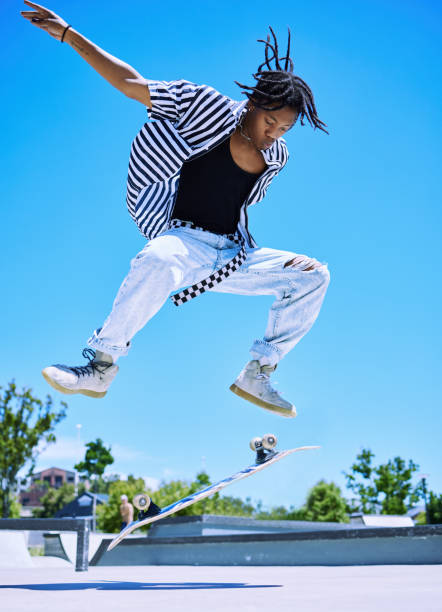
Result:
[65,30]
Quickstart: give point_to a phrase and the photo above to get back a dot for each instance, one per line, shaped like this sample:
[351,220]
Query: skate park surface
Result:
[375,588]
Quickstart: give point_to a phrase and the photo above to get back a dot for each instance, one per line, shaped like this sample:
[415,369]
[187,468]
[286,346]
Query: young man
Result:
[126,512]
[193,172]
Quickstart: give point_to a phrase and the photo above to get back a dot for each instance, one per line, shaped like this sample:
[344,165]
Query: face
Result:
[264,127]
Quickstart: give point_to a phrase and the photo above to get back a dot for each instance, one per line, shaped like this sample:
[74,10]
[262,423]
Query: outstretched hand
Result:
[45,19]
[119,74]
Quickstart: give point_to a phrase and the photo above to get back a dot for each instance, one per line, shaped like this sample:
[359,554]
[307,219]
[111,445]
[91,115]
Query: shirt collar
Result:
[239,108]
[272,155]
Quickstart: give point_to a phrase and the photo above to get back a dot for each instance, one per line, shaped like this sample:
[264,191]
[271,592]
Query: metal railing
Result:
[80,525]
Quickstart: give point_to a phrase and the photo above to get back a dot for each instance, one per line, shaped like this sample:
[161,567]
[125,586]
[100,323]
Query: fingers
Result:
[40,12]
[36,6]
[34,18]
[37,19]
[42,24]
[33,15]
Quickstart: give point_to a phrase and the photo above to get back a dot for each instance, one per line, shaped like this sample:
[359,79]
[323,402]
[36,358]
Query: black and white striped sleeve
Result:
[171,99]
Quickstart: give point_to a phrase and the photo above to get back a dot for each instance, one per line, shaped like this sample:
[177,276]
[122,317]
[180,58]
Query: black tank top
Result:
[212,189]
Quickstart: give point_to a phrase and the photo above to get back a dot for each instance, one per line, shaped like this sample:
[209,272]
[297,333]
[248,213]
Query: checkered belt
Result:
[217,277]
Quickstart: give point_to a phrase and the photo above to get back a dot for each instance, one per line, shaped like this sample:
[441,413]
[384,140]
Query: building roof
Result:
[81,506]
[52,468]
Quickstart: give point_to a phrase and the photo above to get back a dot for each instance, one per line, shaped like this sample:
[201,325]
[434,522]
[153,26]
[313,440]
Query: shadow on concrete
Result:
[137,586]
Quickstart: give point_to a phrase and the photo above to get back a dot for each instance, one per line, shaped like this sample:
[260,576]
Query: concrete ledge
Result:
[377,546]
[212,524]
[80,525]
[43,524]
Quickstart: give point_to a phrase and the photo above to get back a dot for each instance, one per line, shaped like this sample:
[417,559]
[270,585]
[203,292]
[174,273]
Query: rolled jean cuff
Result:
[264,351]
[115,351]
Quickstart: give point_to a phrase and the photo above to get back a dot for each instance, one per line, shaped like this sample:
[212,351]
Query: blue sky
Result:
[366,199]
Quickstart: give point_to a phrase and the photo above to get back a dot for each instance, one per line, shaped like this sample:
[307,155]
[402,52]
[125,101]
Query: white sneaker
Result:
[92,379]
[253,384]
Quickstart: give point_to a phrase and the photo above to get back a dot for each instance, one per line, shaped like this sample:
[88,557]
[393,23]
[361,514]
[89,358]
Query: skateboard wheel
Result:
[141,501]
[255,443]
[269,441]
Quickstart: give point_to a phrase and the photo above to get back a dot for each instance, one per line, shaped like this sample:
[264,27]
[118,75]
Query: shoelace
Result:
[92,366]
[267,383]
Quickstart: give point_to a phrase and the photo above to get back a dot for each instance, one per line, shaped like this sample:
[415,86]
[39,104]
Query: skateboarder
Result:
[193,172]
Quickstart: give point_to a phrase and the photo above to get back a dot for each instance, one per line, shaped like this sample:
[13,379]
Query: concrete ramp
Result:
[64,545]
[69,544]
[13,550]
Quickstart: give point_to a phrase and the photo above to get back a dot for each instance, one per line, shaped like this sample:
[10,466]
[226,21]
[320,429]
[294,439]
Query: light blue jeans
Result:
[181,257]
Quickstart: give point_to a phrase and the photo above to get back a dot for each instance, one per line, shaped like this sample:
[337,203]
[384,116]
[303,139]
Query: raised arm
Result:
[119,74]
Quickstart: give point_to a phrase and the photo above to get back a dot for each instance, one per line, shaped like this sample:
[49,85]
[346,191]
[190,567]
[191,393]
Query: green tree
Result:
[393,482]
[277,513]
[102,483]
[14,507]
[324,503]
[54,500]
[25,423]
[96,459]
[420,519]
[434,509]
[225,505]
[361,481]
[386,488]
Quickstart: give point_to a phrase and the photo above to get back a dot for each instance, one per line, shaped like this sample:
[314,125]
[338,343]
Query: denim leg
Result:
[167,263]
[299,289]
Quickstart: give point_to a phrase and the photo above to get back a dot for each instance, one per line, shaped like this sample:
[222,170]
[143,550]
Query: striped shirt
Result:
[190,120]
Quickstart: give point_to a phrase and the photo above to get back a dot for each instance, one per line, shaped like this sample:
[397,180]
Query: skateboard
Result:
[149,512]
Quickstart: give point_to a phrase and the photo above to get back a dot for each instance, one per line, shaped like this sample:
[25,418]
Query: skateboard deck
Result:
[210,490]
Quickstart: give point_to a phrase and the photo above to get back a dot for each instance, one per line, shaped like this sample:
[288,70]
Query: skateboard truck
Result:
[145,505]
[264,447]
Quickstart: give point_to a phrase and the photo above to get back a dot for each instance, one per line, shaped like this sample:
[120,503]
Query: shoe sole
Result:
[255,400]
[67,391]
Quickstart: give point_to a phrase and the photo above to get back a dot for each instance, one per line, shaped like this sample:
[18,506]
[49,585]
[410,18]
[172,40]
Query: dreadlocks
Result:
[280,87]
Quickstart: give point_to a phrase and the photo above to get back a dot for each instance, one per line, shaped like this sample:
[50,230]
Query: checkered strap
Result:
[214,279]
[179,223]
